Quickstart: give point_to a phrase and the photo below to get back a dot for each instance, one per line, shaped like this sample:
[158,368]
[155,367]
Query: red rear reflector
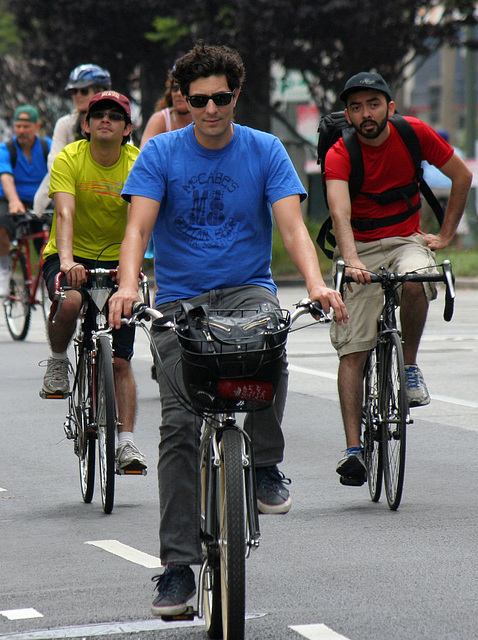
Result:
[246,390]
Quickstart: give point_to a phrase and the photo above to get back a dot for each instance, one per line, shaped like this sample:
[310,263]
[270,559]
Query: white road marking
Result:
[331,376]
[127,553]
[2,489]
[21,614]
[109,628]
[315,632]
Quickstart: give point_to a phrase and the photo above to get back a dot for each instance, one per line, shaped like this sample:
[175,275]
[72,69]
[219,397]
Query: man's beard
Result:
[371,135]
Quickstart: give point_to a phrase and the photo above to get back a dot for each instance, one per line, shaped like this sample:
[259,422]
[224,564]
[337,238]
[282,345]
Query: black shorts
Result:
[123,338]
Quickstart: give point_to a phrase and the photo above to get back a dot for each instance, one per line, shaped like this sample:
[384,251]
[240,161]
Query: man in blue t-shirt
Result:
[20,177]
[207,192]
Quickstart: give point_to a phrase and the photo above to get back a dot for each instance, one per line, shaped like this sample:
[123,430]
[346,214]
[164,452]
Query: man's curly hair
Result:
[209,60]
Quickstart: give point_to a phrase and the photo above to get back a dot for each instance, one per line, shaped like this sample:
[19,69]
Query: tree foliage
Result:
[138,40]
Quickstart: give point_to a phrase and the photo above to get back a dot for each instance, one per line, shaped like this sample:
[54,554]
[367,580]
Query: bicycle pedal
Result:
[53,396]
[132,472]
[352,481]
[189,614]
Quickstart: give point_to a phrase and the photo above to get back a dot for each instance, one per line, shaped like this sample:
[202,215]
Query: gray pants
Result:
[178,467]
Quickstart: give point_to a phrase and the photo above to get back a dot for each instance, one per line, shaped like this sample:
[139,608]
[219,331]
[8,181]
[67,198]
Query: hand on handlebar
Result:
[75,273]
[329,298]
[120,305]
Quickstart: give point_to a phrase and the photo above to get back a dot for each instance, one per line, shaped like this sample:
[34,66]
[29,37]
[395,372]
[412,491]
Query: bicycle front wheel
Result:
[17,304]
[232,536]
[372,440]
[85,437]
[394,411]
[45,300]
[106,421]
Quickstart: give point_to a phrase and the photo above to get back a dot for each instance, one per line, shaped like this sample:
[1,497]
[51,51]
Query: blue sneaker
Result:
[175,587]
[417,392]
[272,494]
[351,467]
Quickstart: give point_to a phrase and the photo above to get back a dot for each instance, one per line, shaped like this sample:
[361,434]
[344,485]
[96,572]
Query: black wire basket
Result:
[232,358]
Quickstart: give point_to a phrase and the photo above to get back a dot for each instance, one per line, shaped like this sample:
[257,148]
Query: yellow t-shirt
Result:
[100,211]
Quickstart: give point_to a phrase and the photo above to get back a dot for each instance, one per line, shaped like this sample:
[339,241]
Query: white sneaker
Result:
[5,275]
[129,457]
[56,383]
[416,388]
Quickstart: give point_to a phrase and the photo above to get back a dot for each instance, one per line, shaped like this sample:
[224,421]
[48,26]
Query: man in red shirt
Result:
[398,246]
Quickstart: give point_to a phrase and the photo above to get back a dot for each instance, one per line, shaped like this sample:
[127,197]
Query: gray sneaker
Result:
[272,494]
[129,458]
[416,388]
[56,383]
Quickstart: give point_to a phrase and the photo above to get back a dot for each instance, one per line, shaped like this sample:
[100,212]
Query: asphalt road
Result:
[336,567]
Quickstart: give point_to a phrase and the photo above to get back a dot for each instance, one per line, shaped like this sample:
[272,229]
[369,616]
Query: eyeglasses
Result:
[175,88]
[115,116]
[221,99]
[84,92]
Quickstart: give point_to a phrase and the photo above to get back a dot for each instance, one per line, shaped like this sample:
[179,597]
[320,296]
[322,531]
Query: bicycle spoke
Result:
[106,422]
[373,452]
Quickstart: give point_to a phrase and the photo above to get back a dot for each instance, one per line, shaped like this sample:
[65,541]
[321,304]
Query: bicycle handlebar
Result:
[142,311]
[393,278]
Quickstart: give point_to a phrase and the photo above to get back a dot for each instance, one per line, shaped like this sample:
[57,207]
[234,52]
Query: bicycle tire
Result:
[372,440]
[211,586]
[45,301]
[106,421]
[17,304]
[394,411]
[85,439]
[232,536]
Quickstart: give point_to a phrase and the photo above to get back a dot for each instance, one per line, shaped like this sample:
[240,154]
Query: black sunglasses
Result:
[221,99]
[115,116]
[84,92]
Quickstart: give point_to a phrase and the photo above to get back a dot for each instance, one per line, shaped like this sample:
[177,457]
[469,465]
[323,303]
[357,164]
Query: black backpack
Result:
[334,126]
[12,150]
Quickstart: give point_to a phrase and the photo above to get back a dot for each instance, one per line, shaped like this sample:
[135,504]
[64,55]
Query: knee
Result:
[413,292]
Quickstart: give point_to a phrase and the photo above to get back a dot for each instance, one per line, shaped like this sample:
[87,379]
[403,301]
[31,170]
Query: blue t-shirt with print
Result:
[27,175]
[214,227]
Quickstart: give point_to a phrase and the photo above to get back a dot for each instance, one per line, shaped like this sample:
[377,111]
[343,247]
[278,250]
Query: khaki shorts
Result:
[364,304]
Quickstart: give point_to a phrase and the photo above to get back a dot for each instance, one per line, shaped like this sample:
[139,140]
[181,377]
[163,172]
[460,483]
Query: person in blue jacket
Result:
[23,165]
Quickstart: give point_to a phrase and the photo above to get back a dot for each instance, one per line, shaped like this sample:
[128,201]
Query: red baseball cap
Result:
[110,96]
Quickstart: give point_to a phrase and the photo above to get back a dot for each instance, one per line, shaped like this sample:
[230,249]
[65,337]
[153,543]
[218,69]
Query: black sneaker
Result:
[175,587]
[351,468]
[272,494]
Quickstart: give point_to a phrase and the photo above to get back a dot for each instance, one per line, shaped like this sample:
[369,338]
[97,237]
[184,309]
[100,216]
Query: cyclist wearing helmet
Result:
[83,83]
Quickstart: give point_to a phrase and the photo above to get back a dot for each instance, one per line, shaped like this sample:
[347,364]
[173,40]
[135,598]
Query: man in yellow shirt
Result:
[88,227]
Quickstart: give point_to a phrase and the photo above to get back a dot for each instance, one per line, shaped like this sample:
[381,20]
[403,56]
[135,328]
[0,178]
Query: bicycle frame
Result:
[23,247]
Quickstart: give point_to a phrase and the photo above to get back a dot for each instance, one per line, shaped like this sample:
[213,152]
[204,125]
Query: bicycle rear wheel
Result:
[85,438]
[106,421]
[232,536]
[372,441]
[394,411]
[17,304]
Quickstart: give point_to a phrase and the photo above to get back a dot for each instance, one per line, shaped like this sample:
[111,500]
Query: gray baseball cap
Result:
[365,80]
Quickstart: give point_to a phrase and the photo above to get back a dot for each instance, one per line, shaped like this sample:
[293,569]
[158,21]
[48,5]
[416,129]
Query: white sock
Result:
[59,356]
[124,437]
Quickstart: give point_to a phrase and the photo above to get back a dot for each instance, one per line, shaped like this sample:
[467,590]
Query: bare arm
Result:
[142,216]
[15,205]
[154,126]
[295,236]
[338,197]
[460,177]
[65,214]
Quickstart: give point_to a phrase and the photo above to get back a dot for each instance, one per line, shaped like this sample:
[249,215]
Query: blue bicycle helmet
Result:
[88,75]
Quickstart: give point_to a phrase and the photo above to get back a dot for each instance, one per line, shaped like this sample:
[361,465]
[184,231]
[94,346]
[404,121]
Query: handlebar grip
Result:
[449,306]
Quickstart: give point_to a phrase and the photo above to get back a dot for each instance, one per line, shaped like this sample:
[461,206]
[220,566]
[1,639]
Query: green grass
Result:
[464,261]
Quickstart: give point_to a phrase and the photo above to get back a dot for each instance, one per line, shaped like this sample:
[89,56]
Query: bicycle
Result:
[386,411]
[27,288]
[225,375]
[92,409]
